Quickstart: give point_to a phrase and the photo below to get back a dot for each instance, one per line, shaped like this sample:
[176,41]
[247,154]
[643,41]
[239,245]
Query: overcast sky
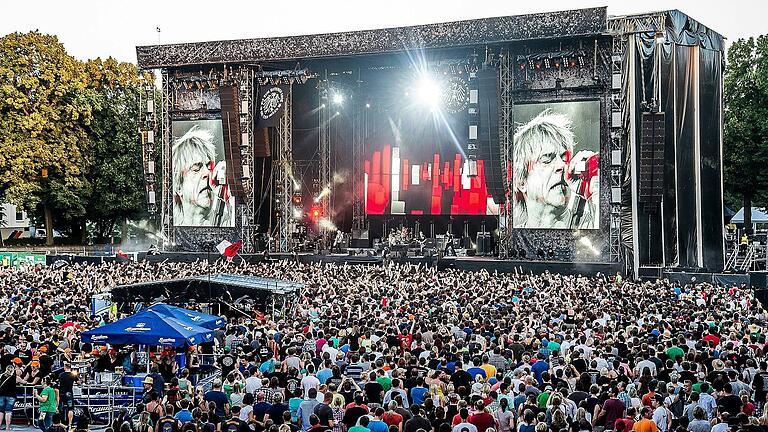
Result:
[102,28]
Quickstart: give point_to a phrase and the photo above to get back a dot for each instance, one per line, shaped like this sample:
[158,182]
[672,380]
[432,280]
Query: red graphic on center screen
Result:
[396,185]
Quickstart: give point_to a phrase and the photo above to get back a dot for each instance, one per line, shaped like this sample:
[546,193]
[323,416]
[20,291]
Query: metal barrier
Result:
[102,401]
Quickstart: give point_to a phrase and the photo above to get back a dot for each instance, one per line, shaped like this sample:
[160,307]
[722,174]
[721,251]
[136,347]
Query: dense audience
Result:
[404,348]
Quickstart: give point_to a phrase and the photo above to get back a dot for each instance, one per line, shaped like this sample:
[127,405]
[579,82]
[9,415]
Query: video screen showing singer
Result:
[200,194]
[556,180]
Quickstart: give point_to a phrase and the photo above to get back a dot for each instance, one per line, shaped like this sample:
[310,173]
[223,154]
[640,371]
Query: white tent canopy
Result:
[759,215]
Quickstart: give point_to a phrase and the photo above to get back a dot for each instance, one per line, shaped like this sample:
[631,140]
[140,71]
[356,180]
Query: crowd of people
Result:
[406,348]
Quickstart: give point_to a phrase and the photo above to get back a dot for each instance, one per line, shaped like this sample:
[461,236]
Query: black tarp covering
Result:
[685,143]
[683,74]
[684,30]
[710,74]
[649,230]
[669,200]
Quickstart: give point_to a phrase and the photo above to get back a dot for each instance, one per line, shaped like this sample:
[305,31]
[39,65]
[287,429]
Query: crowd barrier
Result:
[103,402]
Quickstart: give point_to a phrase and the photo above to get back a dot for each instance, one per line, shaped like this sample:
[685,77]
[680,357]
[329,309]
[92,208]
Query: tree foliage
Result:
[44,110]
[117,171]
[68,133]
[745,152]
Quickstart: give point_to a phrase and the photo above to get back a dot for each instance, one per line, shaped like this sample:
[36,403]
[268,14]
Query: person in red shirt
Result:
[611,410]
[628,422]
[712,337]
[392,418]
[482,419]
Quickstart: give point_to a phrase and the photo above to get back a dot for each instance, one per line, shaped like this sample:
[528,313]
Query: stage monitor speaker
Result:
[651,166]
[484,244]
[360,243]
[261,143]
[230,119]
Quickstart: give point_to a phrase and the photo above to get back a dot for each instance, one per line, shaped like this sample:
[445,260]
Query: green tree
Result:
[745,153]
[44,109]
[117,171]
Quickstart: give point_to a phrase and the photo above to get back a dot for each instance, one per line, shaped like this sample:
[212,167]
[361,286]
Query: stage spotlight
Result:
[367,105]
[428,92]
[338,98]
[322,106]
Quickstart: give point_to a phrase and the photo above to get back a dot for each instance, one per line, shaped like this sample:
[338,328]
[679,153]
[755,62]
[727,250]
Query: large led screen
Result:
[200,192]
[556,178]
[417,156]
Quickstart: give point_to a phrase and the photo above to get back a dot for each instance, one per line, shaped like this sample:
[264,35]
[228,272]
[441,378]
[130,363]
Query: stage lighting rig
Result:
[338,98]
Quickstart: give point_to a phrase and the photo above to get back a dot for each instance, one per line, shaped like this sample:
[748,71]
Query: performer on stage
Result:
[449,244]
[422,240]
[337,241]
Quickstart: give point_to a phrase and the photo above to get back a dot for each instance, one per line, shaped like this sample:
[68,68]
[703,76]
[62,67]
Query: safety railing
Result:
[103,402]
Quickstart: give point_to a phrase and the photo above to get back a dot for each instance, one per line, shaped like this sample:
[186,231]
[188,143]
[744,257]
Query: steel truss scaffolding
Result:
[324,147]
[506,85]
[283,165]
[166,206]
[621,28]
[247,221]
[148,130]
[358,154]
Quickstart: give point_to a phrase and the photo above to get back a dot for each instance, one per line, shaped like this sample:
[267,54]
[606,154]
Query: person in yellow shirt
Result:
[646,423]
[490,370]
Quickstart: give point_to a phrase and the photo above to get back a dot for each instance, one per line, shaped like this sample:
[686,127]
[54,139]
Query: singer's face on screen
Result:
[196,194]
[547,180]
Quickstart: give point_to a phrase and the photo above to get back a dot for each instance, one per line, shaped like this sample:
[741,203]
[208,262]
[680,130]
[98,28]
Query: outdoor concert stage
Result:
[588,137]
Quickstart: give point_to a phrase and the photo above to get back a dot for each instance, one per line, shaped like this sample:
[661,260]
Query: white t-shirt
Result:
[309,382]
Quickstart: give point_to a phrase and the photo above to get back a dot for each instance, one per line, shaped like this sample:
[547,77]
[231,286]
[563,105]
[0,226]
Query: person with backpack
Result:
[233,424]
[760,385]
[168,422]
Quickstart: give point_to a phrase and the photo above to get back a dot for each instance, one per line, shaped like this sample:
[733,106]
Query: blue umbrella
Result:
[148,328]
[189,316]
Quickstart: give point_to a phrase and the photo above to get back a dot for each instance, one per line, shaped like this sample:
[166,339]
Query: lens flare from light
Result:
[428,92]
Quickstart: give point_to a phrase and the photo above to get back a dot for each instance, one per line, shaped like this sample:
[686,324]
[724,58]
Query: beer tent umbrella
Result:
[149,328]
[189,316]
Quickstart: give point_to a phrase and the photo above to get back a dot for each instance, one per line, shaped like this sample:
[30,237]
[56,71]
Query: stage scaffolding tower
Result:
[506,85]
[360,114]
[166,205]
[286,224]
[325,156]
[247,223]
[621,29]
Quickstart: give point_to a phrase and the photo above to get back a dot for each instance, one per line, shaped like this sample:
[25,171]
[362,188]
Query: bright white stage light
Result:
[338,98]
[326,191]
[428,92]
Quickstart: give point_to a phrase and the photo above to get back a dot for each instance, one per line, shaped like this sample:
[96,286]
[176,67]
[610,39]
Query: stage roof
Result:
[222,285]
[275,286]
[579,22]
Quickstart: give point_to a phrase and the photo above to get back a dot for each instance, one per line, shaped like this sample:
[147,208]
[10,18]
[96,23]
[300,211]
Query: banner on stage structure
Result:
[270,106]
